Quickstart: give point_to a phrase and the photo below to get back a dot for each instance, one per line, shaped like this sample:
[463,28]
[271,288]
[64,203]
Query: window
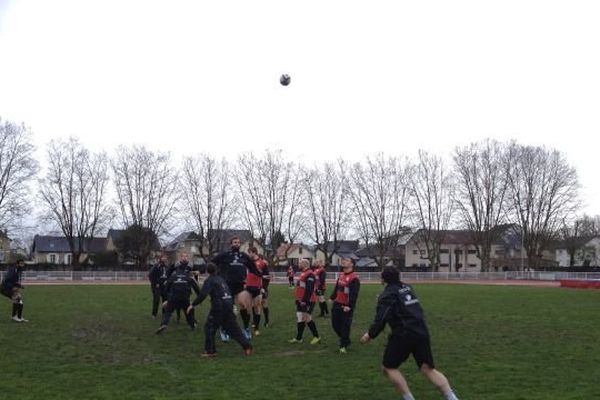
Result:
[422,252]
[52,258]
[472,265]
[415,251]
[458,252]
[68,259]
[300,250]
[443,265]
[444,251]
[472,252]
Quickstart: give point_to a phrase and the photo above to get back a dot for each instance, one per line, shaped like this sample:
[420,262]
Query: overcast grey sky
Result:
[367,76]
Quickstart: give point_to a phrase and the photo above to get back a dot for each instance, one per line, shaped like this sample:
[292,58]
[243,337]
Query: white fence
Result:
[104,276]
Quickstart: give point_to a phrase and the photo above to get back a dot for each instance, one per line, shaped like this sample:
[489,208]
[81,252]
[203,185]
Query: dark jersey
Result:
[185,266]
[321,275]
[180,285]
[158,274]
[233,266]
[220,295]
[399,307]
[12,279]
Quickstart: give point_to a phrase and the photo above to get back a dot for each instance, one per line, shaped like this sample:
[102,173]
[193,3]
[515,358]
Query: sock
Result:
[450,395]
[266,312]
[408,396]
[20,310]
[301,326]
[313,328]
[325,307]
[15,309]
[256,320]
[245,318]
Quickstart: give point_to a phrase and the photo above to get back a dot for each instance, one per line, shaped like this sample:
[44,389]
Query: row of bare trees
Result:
[378,199]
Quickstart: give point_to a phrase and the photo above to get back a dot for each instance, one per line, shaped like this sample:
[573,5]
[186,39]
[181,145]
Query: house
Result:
[291,254]
[457,252]
[392,256]
[112,237]
[587,254]
[344,249]
[186,242]
[129,239]
[56,250]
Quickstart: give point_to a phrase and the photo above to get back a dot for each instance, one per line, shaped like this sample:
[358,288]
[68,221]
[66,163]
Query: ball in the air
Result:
[285,79]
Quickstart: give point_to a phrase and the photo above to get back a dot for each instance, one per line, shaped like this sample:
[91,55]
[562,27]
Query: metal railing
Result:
[133,276]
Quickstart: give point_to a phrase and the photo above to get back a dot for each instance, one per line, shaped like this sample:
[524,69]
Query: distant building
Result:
[56,250]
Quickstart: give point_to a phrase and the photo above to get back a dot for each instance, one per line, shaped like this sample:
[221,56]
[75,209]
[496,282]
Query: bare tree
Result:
[271,198]
[380,198]
[17,167]
[543,191]
[147,193]
[431,188]
[481,193]
[328,205]
[209,197]
[575,234]
[73,193]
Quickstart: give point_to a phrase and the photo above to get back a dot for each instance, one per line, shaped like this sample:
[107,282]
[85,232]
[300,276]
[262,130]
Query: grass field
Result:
[98,342]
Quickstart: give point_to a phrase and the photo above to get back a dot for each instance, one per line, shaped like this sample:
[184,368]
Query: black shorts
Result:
[320,292]
[265,293]
[306,308]
[398,349]
[235,287]
[253,290]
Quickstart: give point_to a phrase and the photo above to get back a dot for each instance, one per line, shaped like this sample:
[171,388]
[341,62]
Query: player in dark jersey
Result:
[158,278]
[12,288]
[321,275]
[399,307]
[290,276]
[233,266]
[184,265]
[179,287]
[220,314]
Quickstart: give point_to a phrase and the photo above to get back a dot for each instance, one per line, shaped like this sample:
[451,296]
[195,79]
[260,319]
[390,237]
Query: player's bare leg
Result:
[439,380]
[396,377]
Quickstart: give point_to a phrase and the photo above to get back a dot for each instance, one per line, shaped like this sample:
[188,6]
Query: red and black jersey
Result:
[346,289]
[262,266]
[305,287]
[254,280]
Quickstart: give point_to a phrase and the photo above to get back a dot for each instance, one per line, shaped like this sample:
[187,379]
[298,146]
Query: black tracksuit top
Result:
[180,285]
[220,295]
[233,266]
[399,306]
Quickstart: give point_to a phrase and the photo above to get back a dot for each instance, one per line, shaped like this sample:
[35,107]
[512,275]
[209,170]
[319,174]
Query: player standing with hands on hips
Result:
[399,307]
